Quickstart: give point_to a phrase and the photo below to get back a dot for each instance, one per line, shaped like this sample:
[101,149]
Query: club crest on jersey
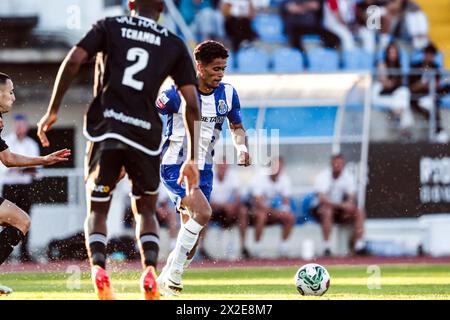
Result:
[162,100]
[223,108]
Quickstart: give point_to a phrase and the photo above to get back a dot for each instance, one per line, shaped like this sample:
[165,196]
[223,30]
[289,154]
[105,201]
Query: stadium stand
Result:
[323,60]
[287,60]
[252,60]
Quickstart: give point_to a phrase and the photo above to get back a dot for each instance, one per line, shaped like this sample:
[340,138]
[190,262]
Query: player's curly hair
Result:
[209,50]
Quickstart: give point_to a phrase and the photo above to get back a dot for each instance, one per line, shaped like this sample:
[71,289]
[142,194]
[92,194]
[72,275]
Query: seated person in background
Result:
[420,82]
[390,92]
[266,189]
[337,201]
[238,15]
[302,17]
[227,208]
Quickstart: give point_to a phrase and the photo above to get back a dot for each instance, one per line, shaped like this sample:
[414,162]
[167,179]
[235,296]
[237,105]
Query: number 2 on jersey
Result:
[141,57]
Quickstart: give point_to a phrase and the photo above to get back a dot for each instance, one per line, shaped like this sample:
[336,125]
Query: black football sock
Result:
[97,249]
[9,238]
[149,246]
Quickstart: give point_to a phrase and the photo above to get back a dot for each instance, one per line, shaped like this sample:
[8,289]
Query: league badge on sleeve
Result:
[162,100]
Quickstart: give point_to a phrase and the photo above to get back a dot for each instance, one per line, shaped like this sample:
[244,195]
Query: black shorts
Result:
[103,165]
[337,215]
[2,200]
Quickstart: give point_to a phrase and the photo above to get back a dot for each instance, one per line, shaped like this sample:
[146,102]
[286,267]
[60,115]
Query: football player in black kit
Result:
[134,55]
[15,221]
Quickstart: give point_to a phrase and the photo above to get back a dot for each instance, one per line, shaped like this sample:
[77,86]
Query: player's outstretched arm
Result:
[10,159]
[240,143]
[67,72]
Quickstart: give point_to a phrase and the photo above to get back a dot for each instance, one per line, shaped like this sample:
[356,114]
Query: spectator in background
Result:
[302,17]
[420,82]
[18,182]
[271,204]
[404,20]
[238,21]
[340,18]
[336,190]
[203,18]
[390,92]
[227,208]
[415,24]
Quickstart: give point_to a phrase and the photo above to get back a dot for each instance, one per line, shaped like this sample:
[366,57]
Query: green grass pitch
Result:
[268,283]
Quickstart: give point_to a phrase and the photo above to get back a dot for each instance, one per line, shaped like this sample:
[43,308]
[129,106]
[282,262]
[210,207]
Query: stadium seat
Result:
[311,39]
[252,60]
[323,60]
[445,102]
[269,27]
[231,63]
[287,60]
[358,60]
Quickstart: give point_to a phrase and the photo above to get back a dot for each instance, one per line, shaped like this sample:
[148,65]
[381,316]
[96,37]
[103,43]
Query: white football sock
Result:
[187,237]
[359,244]
[327,245]
[187,263]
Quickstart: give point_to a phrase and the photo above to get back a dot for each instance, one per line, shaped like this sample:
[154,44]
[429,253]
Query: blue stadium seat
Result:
[323,60]
[445,102]
[231,63]
[358,60]
[287,60]
[311,39]
[269,27]
[252,60]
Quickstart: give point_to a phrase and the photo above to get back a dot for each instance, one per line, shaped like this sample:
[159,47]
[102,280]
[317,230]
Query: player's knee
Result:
[326,212]
[206,212]
[290,219]
[99,192]
[23,223]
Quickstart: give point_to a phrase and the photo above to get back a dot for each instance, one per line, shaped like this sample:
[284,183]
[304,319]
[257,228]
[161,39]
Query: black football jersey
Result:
[134,55]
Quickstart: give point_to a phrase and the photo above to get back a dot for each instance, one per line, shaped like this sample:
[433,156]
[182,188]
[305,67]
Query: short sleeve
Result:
[259,185]
[169,101]
[350,184]
[95,40]
[321,183]
[286,186]
[234,116]
[183,72]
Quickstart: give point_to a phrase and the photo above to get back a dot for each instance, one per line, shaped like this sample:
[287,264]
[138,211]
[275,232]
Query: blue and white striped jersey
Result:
[222,103]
